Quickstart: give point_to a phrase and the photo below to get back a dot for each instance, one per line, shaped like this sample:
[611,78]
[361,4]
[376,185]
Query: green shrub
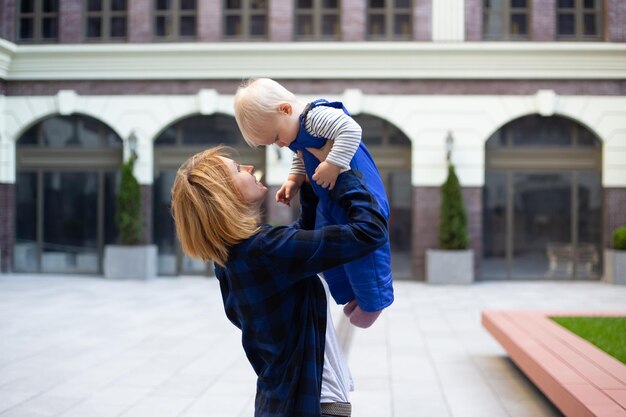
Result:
[619,238]
[452,219]
[128,214]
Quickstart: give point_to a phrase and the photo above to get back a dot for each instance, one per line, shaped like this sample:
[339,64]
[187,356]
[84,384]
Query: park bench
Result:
[579,379]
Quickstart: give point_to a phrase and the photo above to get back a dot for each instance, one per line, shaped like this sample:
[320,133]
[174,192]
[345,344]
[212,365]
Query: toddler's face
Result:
[282,130]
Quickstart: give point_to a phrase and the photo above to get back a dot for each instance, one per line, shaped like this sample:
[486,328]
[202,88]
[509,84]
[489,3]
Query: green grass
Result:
[607,333]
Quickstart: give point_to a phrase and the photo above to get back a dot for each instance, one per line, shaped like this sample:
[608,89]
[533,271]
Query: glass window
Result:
[105,20]
[74,131]
[26,253]
[70,223]
[246,19]
[389,20]
[539,131]
[317,20]
[38,21]
[175,19]
[579,20]
[506,20]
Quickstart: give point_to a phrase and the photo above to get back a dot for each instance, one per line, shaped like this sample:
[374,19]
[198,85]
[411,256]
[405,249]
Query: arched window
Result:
[66,185]
[542,201]
[172,147]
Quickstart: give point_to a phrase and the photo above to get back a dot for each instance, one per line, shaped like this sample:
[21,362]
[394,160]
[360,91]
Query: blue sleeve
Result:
[297,253]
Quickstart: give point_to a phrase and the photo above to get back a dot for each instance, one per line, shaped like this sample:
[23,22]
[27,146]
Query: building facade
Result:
[531,94]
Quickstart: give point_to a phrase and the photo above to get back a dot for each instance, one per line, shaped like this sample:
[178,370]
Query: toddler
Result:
[267,113]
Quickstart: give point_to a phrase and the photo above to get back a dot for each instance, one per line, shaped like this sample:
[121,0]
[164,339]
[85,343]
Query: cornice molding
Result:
[314,60]
[7,49]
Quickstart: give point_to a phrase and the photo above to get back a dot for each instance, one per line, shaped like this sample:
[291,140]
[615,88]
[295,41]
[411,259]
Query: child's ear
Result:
[285,108]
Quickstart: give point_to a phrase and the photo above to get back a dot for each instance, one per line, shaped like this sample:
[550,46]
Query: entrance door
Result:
[67,177]
[542,202]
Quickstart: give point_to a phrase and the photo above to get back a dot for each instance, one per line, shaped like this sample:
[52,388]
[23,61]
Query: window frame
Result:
[579,11]
[317,13]
[505,20]
[106,14]
[175,13]
[37,16]
[389,12]
[246,13]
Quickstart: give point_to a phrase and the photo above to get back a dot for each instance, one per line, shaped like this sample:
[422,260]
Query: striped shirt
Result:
[334,124]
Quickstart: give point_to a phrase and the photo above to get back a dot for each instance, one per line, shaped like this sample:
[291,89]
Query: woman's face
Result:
[252,190]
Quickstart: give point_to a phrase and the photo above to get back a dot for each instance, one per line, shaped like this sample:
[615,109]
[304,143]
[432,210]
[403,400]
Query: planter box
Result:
[450,266]
[130,262]
[615,266]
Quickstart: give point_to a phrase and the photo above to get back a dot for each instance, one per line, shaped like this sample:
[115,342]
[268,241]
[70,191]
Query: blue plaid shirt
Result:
[272,293]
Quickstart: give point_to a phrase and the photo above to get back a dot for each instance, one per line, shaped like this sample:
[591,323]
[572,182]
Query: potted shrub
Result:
[132,258]
[615,259]
[453,261]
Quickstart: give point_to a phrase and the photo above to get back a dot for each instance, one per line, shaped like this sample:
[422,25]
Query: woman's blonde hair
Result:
[209,212]
[257,102]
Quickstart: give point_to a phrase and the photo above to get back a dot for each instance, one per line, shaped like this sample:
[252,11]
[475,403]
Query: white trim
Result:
[315,60]
[448,21]
[425,119]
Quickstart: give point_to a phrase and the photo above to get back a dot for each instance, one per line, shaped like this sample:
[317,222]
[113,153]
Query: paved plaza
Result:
[88,347]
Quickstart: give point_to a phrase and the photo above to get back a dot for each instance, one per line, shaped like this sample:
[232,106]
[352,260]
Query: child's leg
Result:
[371,279]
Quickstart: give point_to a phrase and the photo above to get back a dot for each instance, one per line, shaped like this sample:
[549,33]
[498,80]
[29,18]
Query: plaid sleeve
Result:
[308,207]
[296,253]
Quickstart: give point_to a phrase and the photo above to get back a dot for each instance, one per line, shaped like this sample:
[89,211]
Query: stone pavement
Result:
[88,347]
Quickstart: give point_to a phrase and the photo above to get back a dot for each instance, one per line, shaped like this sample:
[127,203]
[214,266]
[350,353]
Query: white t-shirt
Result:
[336,378]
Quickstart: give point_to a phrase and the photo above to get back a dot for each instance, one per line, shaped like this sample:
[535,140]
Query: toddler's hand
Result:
[326,174]
[287,191]
[358,317]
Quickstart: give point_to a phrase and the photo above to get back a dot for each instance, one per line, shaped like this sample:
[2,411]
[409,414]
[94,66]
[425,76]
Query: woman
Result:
[268,275]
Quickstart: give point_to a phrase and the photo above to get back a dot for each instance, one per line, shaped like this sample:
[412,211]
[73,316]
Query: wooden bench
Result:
[579,379]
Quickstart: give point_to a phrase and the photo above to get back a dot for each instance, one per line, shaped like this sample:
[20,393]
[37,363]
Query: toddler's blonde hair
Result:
[209,212]
[257,103]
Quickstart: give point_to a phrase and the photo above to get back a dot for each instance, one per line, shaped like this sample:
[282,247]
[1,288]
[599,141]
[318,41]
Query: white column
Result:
[7,148]
[448,20]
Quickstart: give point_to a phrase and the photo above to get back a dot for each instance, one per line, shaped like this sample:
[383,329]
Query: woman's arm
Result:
[297,253]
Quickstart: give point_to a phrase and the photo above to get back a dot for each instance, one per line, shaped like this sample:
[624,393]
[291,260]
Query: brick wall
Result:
[139,24]
[209,21]
[614,212]
[422,20]
[426,202]
[473,20]
[353,20]
[324,87]
[280,20]
[7,20]
[7,222]
[71,21]
[543,20]
[616,20]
